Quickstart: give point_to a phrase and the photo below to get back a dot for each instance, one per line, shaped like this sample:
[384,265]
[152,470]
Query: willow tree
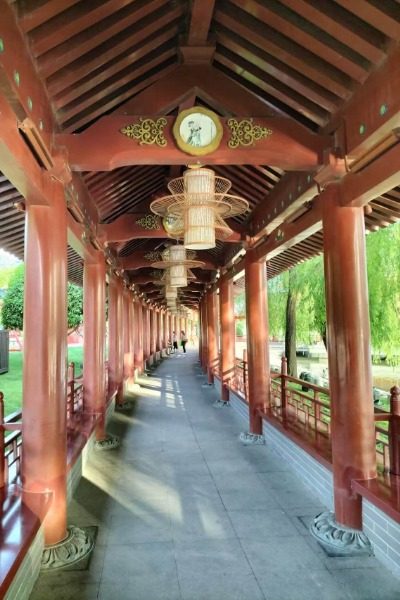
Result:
[383,268]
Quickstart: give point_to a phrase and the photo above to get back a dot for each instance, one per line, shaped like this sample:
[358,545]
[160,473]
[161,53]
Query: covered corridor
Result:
[184,511]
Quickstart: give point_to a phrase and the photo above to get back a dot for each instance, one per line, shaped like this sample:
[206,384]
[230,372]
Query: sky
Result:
[7,259]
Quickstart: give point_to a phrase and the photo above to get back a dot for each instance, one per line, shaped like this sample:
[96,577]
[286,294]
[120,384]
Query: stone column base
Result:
[77,545]
[338,540]
[251,439]
[220,403]
[109,443]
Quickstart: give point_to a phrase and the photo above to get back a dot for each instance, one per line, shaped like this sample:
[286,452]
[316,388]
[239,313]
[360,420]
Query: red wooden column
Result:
[138,336]
[349,356]
[212,357]
[132,317]
[166,329]
[204,328]
[227,319]
[94,323]
[257,343]
[127,333]
[170,327]
[44,462]
[153,325]
[158,330]
[146,331]
[116,339]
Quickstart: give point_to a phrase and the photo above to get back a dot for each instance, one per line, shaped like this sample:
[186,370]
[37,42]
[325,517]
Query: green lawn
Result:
[11,382]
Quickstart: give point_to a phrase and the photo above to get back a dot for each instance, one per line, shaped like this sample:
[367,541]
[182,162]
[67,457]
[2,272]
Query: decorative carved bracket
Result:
[245,133]
[147,131]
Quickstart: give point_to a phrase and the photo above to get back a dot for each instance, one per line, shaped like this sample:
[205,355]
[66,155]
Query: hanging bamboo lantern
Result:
[199,202]
[177,271]
[177,265]
[199,216]
[171,293]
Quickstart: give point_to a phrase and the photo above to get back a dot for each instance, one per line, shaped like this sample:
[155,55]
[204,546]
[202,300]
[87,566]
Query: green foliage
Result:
[240,327]
[75,306]
[13,305]
[240,304]
[6,275]
[11,382]
[307,283]
[383,269]
[277,297]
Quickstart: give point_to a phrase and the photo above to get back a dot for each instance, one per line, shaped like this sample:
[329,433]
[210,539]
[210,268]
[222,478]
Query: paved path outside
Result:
[184,511]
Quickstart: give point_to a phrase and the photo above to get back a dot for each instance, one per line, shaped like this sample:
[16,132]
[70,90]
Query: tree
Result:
[290,330]
[277,296]
[383,260]
[13,306]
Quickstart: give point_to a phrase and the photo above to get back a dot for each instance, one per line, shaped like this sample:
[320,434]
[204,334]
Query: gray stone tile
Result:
[62,591]
[143,587]
[296,498]
[160,502]
[228,467]
[248,499]
[226,483]
[375,584]
[210,557]
[206,524]
[261,524]
[150,527]
[280,553]
[300,584]
[220,586]
[127,562]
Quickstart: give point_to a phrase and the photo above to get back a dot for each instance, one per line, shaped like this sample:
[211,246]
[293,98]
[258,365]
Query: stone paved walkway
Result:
[185,512]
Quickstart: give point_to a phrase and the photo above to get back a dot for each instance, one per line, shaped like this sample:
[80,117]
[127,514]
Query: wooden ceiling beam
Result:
[138,260]
[105,105]
[31,15]
[109,88]
[364,40]
[118,66]
[344,60]
[381,18]
[200,21]
[102,147]
[280,71]
[133,226]
[295,57]
[88,48]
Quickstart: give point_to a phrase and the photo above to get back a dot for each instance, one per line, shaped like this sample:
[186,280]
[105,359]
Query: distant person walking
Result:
[183,341]
[174,342]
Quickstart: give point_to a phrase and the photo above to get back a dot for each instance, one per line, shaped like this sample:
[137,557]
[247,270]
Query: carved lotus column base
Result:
[338,540]
[221,404]
[109,443]
[251,439]
[77,545]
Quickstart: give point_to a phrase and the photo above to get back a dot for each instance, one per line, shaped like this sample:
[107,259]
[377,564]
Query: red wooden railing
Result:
[240,378]
[305,407]
[74,395]
[10,445]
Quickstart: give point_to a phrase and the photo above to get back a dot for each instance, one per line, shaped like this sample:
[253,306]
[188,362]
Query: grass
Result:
[11,382]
